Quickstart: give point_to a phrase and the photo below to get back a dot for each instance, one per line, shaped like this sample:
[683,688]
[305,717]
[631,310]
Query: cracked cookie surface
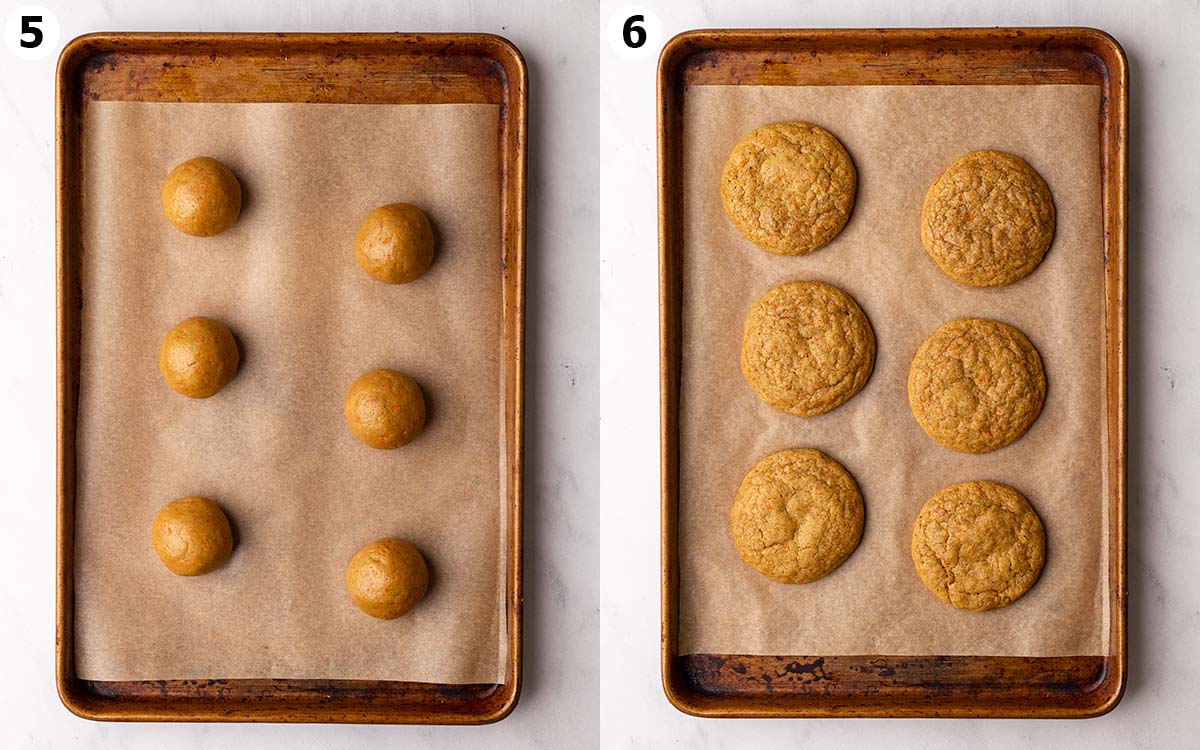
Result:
[807,347]
[798,515]
[789,187]
[976,385]
[988,219]
[978,545]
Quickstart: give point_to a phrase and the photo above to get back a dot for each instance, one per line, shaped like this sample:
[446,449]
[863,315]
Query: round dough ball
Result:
[198,357]
[978,545]
[387,578]
[807,347]
[789,187]
[192,536]
[798,515]
[988,219]
[395,243]
[976,385]
[385,409]
[202,197]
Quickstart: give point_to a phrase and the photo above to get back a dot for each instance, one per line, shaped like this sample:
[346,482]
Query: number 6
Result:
[634,36]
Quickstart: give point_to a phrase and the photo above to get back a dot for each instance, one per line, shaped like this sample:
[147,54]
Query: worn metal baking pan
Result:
[314,68]
[814,685]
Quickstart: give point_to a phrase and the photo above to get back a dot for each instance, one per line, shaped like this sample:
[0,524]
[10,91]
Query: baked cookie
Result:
[395,243]
[978,545]
[807,347]
[387,578]
[988,219]
[192,536]
[198,357]
[385,409]
[202,197]
[789,187]
[976,385]
[798,515]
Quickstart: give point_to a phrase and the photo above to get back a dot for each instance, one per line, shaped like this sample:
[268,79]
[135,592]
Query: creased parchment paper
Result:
[901,138]
[272,448]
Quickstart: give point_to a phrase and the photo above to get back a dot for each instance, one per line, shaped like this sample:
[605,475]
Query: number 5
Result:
[635,36]
[27,27]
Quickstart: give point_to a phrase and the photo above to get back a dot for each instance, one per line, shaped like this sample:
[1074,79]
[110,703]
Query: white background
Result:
[592,638]
[559,702]
[1161,708]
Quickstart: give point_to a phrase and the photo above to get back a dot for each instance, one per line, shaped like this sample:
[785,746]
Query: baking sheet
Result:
[273,448]
[901,138]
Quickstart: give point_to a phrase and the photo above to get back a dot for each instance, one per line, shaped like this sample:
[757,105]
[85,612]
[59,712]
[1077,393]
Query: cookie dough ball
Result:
[798,515]
[202,197]
[978,545]
[387,578]
[807,348]
[395,243]
[192,536]
[198,357]
[789,187]
[385,409]
[976,385]
[988,219]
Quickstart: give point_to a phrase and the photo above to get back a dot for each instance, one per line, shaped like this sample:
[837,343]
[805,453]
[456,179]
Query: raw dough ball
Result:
[385,409]
[387,578]
[988,219]
[198,357]
[798,515]
[192,536]
[789,187]
[202,197]
[395,243]
[807,347]
[978,545]
[976,385]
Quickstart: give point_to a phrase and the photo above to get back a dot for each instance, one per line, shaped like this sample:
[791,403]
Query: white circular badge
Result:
[31,32]
[634,32]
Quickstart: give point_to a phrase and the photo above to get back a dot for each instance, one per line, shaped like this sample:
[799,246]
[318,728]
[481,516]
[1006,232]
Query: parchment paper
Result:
[900,138]
[272,448]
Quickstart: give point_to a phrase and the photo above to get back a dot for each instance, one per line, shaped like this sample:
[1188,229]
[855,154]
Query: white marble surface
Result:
[1159,710]
[577,619]
[559,703]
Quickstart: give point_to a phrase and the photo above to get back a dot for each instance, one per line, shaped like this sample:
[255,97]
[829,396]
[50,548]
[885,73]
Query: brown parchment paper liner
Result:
[901,138]
[273,448]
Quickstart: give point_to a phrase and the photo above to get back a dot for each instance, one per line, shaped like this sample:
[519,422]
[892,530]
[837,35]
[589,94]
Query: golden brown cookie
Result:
[387,578]
[198,357]
[385,409]
[202,197]
[988,219]
[798,515]
[978,545]
[976,385]
[789,187]
[395,243]
[192,536]
[807,348]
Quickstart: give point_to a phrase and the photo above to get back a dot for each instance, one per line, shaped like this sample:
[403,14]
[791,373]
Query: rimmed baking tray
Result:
[296,68]
[815,685]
